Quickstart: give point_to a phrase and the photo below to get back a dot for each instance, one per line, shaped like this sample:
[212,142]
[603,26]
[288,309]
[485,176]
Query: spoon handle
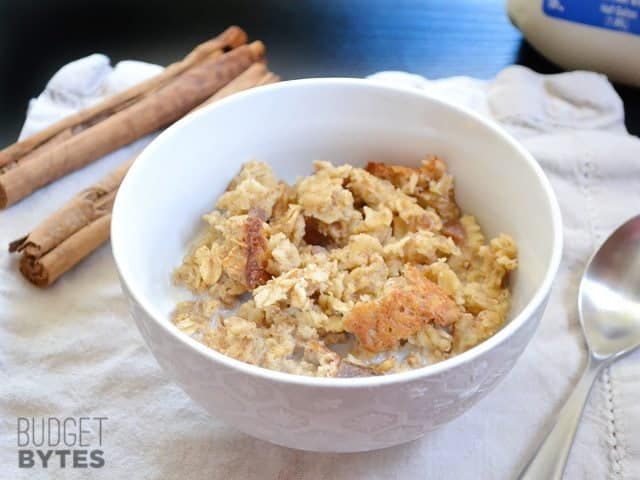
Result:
[550,458]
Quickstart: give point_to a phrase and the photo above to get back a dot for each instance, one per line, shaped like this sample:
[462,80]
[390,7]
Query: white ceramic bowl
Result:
[180,175]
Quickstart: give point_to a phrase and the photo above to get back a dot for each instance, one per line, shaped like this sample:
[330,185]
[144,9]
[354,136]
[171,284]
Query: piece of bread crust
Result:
[397,175]
[381,324]
[255,269]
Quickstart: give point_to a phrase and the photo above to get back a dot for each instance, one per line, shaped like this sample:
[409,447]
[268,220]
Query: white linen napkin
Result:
[73,350]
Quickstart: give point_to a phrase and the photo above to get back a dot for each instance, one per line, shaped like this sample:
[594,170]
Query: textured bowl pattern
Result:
[158,209]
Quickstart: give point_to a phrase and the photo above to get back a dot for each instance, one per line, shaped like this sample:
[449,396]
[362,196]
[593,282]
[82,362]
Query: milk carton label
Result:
[619,15]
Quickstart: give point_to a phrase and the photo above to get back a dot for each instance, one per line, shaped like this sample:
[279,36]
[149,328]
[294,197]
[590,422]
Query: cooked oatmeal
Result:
[349,272]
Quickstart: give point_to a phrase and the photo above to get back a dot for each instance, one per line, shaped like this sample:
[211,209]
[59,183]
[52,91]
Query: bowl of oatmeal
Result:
[336,265]
[346,272]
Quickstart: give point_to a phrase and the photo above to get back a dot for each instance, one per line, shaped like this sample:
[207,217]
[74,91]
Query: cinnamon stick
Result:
[82,225]
[268,78]
[72,124]
[45,270]
[86,207]
[257,74]
[151,112]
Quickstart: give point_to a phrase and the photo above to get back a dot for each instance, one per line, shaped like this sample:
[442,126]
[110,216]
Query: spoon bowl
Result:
[609,295]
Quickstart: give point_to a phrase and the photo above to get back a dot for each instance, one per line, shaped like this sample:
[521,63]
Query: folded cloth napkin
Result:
[73,350]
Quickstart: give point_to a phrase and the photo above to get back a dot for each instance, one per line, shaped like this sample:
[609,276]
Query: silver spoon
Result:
[609,311]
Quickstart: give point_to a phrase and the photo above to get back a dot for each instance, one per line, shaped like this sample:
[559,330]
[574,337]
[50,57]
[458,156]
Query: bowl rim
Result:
[537,300]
